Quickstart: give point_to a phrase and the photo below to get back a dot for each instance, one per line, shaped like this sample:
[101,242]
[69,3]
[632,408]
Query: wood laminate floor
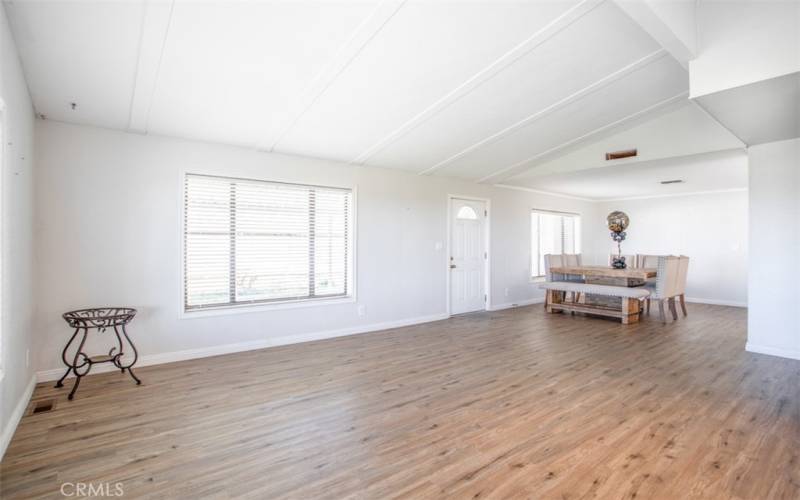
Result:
[514,403]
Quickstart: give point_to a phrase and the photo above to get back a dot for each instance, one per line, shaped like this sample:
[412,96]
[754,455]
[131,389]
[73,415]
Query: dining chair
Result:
[667,285]
[551,261]
[647,260]
[559,260]
[683,272]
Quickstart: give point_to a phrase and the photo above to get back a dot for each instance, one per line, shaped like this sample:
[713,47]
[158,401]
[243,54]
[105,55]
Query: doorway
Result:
[469,255]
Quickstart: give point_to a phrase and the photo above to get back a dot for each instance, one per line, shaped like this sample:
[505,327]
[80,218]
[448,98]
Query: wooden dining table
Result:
[605,275]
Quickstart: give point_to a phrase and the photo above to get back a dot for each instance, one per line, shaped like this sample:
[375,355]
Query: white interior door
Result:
[467,255]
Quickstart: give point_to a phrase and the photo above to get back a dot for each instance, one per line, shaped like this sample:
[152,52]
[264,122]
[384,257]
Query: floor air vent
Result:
[43,406]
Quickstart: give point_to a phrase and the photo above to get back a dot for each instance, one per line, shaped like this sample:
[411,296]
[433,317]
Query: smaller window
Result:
[553,233]
[467,213]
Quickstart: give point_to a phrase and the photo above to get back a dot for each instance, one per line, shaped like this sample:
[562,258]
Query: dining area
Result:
[623,289]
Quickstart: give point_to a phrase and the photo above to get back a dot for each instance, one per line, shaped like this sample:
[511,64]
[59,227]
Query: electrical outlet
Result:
[362,310]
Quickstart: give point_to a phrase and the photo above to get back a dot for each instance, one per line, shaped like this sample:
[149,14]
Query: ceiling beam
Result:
[488,72]
[156,18]
[505,173]
[665,30]
[576,96]
[362,35]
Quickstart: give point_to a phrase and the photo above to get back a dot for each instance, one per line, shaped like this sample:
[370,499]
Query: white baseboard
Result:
[203,352]
[772,351]
[509,305]
[16,416]
[715,302]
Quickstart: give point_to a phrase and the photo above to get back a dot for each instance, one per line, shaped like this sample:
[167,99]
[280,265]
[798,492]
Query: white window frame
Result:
[229,309]
[534,251]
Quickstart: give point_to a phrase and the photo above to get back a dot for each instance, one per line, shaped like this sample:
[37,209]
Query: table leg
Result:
[135,354]
[60,382]
[630,311]
[554,297]
[75,365]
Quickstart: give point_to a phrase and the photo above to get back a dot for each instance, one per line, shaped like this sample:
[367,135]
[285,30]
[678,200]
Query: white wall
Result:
[17,238]
[108,229]
[710,228]
[774,302]
[744,42]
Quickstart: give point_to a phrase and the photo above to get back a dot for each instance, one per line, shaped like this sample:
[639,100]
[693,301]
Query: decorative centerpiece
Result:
[617,223]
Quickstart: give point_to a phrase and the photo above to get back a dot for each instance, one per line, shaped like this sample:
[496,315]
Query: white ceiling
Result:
[481,90]
[720,171]
[761,112]
[677,131]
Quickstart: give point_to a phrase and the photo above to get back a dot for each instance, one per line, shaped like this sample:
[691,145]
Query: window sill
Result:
[538,279]
[256,308]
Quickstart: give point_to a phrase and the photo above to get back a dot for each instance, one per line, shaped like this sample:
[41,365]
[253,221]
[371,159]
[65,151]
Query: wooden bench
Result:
[628,313]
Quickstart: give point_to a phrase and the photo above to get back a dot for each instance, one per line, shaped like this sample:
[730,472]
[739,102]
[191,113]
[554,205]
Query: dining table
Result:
[603,275]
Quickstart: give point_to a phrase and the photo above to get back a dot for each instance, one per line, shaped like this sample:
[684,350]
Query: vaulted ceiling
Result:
[485,91]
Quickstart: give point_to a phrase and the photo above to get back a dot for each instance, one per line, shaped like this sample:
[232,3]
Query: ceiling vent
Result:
[616,155]
[674,181]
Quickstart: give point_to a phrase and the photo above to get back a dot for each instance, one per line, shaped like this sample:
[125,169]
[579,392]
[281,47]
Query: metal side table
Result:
[98,320]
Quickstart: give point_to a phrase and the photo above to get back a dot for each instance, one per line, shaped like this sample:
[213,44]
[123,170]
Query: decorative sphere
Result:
[618,221]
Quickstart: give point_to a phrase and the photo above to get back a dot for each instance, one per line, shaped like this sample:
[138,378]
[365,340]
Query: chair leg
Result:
[672,308]
[683,305]
[648,306]
[661,314]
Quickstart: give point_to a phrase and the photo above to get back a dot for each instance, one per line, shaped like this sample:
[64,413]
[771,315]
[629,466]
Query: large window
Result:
[248,241]
[552,233]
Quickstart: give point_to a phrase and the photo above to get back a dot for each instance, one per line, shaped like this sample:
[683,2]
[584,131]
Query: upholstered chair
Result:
[647,260]
[683,272]
[559,260]
[667,285]
[572,259]
[551,261]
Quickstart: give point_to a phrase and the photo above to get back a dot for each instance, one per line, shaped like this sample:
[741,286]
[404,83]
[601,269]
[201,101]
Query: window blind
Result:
[552,233]
[248,241]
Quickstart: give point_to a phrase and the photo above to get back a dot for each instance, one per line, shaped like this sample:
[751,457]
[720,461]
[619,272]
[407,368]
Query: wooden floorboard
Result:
[515,403]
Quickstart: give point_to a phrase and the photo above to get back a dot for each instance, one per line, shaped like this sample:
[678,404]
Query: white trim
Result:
[506,172]
[580,94]
[715,302]
[487,73]
[487,235]
[203,352]
[153,33]
[227,310]
[363,34]
[16,416]
[4,164]
[772,351]
[673,195]
[605,200]
[539,191]
[519,303]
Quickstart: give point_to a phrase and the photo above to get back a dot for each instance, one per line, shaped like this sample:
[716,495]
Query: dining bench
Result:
[628,313]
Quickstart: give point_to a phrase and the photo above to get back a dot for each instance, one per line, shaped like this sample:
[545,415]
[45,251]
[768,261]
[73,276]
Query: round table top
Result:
[99,317]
